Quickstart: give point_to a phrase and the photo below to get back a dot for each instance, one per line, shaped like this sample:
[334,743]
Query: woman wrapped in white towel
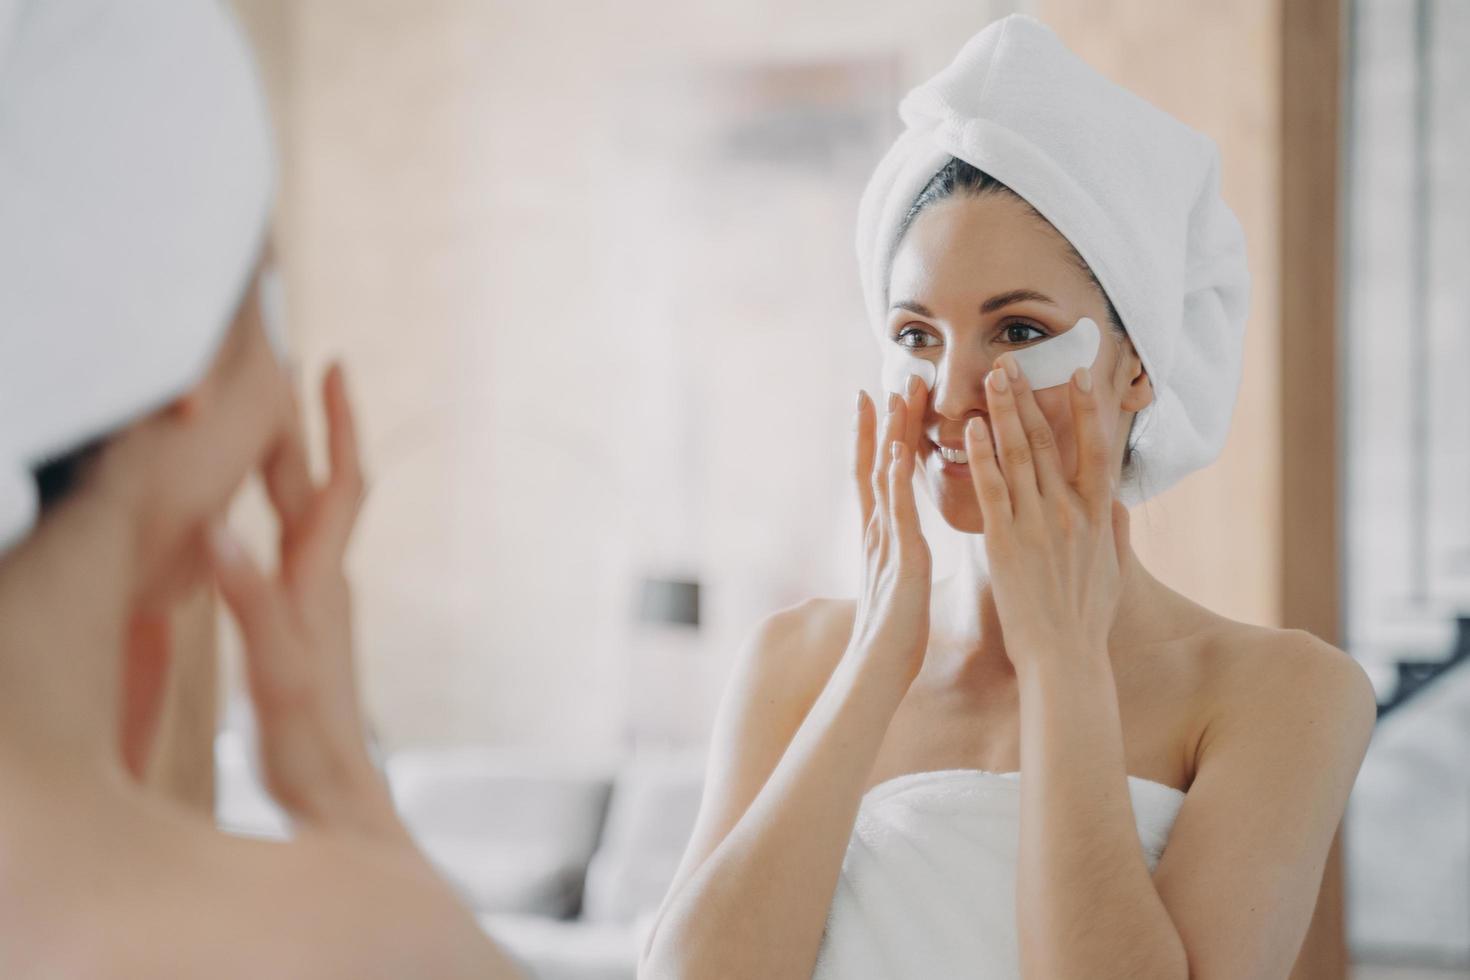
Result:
[1051,764]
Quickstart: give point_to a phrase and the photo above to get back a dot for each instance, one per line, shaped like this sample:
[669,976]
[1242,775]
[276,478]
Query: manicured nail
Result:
[893,401]
[1084,379]
[998,380]
[1013,370]
[911,386]
[861,395]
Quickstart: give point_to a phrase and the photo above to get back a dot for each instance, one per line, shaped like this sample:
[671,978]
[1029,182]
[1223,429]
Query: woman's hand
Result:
[892,623]
[297,632]
[1054,546]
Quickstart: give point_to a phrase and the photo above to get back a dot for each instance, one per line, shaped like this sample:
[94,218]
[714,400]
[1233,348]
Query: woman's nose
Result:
[959,385]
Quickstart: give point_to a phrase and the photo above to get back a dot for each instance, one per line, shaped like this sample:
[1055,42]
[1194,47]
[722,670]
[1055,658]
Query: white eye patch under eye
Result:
[898,364]
[1046,365]
[1051,362]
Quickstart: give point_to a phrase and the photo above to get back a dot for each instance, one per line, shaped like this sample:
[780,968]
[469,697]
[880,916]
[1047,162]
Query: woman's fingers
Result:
[916,400]
[287,475]
[891,430]
[341,426]
[865,428]
[989,482]
[903,511]
[147,660]
[1094,455]
[1011,446]
[334,510]
[249,594]
[1047,460]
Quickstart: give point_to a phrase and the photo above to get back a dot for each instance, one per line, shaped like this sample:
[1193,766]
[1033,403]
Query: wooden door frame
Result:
[1313,52]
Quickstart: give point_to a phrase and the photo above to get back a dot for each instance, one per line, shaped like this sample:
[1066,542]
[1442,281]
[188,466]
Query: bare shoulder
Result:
[1282,680]
[1294,666]
[313,906]
[796,649]
[777,677]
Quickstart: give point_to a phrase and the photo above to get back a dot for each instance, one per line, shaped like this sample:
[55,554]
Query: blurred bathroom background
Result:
[590,267]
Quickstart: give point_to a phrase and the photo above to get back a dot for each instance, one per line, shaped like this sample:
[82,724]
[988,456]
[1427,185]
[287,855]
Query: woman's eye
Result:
[1012,335]
[913,338]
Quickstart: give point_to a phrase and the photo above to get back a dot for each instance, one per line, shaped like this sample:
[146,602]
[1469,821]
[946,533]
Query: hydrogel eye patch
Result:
[1046,365]
[898,364]
[1051,362]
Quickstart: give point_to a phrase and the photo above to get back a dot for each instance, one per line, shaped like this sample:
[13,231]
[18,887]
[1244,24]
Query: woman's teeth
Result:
[952,455]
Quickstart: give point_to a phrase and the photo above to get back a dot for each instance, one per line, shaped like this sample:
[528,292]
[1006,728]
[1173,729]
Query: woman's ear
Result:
[1137,386]
[187,406]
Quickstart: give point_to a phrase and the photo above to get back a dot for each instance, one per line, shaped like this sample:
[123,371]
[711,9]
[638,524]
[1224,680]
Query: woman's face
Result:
[976,277]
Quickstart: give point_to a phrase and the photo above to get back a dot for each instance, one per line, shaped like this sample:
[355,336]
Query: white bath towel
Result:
[136,182]
[928,885]
[1134,190]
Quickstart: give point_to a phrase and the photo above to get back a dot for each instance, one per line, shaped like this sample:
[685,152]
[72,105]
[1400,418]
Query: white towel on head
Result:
[136,182]
[1135,191]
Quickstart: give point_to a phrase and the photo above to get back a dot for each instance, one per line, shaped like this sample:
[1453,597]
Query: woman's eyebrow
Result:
[1001,300]
[996,302]
[913,307]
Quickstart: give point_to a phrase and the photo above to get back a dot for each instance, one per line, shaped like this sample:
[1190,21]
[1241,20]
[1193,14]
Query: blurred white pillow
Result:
[513,832]
[655,800]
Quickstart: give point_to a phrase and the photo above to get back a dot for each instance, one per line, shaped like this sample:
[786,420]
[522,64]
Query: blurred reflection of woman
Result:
[139,385]
[978,777]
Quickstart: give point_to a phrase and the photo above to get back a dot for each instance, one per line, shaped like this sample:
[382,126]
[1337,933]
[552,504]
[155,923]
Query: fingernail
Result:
[998,380]
[860,396]
[911,385]
[1013,370]
[893,401]
[1084,379]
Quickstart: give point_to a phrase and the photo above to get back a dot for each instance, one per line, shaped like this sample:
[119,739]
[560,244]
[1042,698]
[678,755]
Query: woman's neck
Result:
[67,595]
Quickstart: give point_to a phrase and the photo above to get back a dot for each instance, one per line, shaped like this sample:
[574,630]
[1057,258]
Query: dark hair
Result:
[56,478]
[957,176]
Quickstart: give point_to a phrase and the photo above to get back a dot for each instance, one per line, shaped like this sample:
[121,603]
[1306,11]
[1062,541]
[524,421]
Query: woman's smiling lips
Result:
[952,461]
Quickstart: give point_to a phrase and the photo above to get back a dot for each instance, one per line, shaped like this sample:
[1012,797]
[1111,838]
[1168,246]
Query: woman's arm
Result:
[756,902]
[1244,864]
[374,896]
[1085,903]
[169,714]
[1235,889]
[752,897]
[296,628]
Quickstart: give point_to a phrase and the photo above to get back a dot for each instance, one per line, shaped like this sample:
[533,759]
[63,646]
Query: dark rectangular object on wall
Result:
[671,602]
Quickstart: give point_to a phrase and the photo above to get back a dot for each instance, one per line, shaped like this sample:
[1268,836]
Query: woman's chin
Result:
[952,490]
[960,510]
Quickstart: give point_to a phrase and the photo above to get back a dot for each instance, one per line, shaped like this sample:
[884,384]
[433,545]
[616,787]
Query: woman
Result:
[140,383]
[978,777]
